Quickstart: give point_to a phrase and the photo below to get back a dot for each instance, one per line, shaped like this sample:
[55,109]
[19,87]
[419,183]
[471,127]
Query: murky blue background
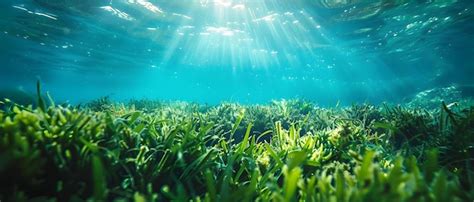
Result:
[248,51]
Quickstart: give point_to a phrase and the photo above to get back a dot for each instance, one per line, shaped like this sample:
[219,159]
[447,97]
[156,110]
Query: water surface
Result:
[248,51]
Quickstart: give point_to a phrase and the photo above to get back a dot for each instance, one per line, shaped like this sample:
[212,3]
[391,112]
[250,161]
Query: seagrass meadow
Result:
[287,150]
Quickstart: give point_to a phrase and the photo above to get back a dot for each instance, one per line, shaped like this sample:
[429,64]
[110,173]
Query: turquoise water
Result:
[247,51]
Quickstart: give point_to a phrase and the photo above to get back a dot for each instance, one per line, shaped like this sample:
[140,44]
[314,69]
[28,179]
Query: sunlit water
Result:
[248,51]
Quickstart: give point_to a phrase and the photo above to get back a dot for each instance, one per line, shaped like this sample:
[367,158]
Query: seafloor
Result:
[291,150]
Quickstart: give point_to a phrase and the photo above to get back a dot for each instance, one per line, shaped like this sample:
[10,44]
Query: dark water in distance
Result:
[248,51]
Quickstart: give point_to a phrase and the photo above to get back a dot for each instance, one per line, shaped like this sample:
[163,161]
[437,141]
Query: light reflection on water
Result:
[298,48]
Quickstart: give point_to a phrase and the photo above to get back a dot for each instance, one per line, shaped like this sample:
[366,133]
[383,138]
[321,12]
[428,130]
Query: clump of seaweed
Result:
[100,104]
[289,150]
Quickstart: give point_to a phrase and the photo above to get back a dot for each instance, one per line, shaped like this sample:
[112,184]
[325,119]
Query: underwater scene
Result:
[237,100]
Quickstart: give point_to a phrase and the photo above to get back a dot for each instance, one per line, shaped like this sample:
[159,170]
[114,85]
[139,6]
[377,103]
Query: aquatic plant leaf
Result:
[246,138]
[292,176]
[431,165]
[239,119]
[365,172]
[211,187]
[196,165]
[137,197]
[386,126]
[99,179]
[440,187]
[274,155]
[41,103]
[340,186]
[133,117]
[295,158]
[252,187]
[139,128]
[51,100]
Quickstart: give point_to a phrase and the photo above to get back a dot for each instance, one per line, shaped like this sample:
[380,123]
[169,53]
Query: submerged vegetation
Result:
[283,151]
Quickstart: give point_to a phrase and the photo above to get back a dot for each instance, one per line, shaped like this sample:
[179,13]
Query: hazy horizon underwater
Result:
[236,100]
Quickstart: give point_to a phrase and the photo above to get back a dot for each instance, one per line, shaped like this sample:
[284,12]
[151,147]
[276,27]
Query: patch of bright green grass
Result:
[283,151]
